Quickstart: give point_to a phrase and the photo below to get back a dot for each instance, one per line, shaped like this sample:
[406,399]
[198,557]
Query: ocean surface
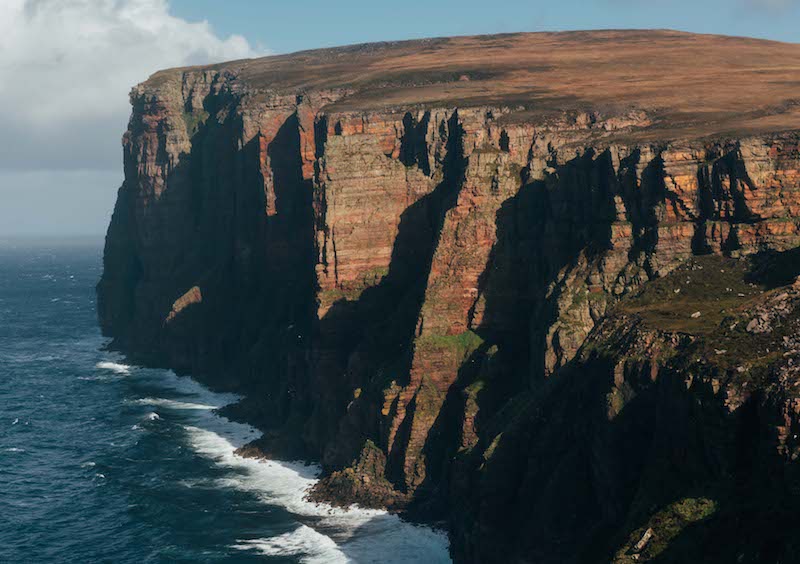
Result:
[105,462]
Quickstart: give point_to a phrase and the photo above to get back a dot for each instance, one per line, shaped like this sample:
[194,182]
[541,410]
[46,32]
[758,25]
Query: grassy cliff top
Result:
[687,85]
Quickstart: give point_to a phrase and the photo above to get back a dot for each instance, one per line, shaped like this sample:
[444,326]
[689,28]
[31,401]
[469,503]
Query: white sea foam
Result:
[326,534]
[15,421]
[114,367]
[14,449]
[188,387]
[196,483]
[316,548]
[173,404]
[360,535]
[152,416]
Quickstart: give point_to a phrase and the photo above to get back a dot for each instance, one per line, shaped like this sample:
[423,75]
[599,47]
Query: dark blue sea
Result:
[101,461]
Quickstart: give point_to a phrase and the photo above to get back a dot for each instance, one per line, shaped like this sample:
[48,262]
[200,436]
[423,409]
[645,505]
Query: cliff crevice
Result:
[481,301]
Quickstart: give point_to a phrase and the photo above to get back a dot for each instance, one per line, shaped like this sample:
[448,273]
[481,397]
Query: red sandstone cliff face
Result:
[387,283]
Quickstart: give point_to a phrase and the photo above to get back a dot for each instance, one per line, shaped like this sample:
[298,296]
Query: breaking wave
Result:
[114,367]
[325,534]
[173,404]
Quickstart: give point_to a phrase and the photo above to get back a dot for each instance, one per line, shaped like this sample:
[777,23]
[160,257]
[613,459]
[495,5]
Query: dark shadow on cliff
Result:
[581,498]
[774,269]
[158,242]
[755,493]
[541,231]
[641,197]
[280,297]
[369,340]
[569,477]
[251,331]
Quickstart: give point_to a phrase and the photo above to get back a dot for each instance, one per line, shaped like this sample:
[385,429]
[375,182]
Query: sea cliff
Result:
[536,286]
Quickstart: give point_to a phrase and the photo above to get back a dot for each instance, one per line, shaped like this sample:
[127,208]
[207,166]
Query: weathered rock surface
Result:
[412,258]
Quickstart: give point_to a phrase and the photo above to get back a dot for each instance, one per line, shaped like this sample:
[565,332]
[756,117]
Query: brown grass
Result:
[693,85]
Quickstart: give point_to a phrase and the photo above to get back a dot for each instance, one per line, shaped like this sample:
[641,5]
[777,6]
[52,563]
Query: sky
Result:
[66,67]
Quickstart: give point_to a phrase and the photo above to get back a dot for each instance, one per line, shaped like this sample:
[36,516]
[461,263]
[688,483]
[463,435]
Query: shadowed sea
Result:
[105,462]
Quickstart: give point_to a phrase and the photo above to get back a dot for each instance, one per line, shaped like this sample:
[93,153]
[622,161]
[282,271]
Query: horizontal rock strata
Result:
[409,255]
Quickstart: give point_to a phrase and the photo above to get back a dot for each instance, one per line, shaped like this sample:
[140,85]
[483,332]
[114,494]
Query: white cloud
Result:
[66,67]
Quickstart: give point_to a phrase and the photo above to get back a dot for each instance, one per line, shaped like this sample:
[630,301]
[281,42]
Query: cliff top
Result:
[686,84]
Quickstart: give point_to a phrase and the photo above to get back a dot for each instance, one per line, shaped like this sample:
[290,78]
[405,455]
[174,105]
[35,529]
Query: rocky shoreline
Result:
[485,280]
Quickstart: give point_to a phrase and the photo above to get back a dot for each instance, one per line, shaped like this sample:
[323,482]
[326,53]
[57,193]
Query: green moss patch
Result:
[353,290]
[194,120]
[335,294]
[665,525]
[463,344]
[475,388]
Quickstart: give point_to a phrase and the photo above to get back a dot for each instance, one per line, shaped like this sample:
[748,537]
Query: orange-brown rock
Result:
[391,248]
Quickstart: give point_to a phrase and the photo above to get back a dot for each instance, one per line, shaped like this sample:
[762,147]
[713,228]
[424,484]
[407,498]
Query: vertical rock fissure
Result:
[642,193]
[705,208]
[414,144]
[391,301]
[373,334]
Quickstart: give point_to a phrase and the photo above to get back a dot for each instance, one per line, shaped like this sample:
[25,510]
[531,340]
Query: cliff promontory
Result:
[537,286]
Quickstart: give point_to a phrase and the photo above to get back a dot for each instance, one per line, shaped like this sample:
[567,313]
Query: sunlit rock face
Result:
[421,263]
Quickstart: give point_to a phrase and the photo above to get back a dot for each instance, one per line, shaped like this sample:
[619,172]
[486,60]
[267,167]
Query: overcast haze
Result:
[66,67]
